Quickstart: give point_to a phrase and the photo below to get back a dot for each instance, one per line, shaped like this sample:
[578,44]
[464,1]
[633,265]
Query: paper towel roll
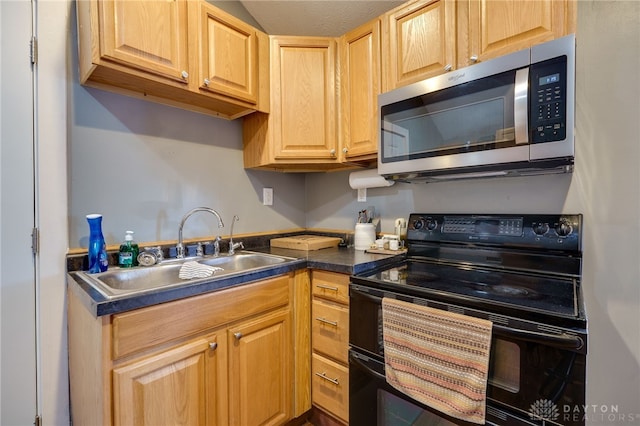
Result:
[368,179]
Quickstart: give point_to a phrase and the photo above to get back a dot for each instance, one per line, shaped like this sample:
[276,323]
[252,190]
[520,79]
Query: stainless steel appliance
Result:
[513,115]
[523,273]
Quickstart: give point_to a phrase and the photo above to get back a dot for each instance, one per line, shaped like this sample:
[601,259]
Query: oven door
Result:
[373,402]
[526,367]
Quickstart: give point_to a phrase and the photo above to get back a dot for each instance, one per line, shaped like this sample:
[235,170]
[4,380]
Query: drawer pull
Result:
[326,321]
[329,379]
[237,335]
[327,287]
[213,345]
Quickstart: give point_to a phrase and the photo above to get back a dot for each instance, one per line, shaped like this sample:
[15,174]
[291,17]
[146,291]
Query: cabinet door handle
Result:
[184,75]
[473,59]
[237,335]
[326,321]
[329,379]
[206,81]
[213,345]
[327,287]
[448,67]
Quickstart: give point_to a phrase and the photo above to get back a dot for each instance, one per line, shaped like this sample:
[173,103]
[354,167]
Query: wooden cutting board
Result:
[305,242]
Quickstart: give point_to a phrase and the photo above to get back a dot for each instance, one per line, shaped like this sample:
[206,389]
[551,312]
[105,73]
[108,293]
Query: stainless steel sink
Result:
[117,282]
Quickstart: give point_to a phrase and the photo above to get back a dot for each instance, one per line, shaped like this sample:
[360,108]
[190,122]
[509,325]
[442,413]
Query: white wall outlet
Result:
[267,196]
[362,195]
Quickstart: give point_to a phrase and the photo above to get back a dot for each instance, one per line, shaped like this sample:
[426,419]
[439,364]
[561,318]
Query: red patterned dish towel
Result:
[438,358]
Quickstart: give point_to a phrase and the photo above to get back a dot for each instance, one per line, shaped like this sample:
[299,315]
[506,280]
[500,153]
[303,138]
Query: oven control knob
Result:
[418,224]
[431,224]
[563,229]
[540,228]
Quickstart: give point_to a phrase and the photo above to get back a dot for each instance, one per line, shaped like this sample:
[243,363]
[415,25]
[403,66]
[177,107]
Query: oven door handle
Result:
[563,341]
[353,358]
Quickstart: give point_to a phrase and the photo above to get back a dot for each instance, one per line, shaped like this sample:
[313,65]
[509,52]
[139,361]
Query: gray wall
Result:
[143,165]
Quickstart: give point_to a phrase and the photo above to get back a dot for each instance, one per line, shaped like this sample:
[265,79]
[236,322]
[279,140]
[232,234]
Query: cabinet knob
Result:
[206,81]
[345,150]
[332,152]
[473,59]
[448,67]
[213,345]
[237,335]
[184,75]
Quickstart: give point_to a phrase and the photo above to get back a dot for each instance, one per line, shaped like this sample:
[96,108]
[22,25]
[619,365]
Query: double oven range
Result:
[522,273]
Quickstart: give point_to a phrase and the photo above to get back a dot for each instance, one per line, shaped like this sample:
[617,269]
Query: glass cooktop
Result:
[547,295]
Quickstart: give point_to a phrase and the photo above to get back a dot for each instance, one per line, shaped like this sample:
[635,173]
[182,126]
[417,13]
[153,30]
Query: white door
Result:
[18,398]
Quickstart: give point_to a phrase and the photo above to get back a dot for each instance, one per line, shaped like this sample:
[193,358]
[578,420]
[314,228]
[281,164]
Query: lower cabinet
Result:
[223,358]
[181,386]
[260,388]
[330,343]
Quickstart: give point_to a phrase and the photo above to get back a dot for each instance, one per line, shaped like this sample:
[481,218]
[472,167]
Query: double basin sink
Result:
[120,282]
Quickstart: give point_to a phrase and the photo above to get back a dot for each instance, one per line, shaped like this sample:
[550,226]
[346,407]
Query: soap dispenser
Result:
[128,255]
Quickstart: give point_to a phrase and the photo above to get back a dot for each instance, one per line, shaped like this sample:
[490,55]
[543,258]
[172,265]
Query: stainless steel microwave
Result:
[512,115]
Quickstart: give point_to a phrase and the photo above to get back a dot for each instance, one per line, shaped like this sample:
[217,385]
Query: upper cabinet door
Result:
[303,90]
[360,85]
[420,41]
[500,27]
[228,55]
[150,36]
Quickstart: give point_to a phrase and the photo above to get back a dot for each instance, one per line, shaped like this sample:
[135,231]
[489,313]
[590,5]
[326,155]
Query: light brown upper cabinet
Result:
[301,132]
[150,37]
[228,55]
[419,41]
[184,53]
[360,71]
[496,28]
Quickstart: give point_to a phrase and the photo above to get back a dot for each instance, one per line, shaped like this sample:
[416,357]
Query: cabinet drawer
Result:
[330,386]
[148,327]
[331,286]
[330,330]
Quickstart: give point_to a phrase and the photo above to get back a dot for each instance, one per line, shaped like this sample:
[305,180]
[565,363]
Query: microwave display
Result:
[548,79]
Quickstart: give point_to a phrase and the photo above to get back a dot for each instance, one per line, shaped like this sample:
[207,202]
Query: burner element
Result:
[505,290]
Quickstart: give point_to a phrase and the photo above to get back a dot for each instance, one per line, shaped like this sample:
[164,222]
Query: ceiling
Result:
[329,18]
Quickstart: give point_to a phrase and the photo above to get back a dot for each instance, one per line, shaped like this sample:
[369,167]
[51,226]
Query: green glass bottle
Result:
[128,256]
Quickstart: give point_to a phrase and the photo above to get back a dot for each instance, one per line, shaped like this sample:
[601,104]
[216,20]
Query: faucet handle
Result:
[180,251]
[216,246]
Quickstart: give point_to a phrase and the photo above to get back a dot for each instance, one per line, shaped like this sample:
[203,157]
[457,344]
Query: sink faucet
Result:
[233,246]
[180,246]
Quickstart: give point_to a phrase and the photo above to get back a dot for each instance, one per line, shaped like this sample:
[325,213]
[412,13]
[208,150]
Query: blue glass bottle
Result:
[98,261]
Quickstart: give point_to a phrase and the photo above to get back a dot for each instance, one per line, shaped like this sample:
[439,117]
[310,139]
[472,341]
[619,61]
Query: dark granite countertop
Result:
[342,260]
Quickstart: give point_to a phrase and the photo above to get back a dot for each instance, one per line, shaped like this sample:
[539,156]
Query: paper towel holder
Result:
[369,178]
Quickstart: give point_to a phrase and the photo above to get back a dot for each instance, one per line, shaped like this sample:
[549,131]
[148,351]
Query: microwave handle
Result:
[521,106]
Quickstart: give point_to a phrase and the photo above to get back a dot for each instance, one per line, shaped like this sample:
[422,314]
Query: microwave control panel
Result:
[548,100]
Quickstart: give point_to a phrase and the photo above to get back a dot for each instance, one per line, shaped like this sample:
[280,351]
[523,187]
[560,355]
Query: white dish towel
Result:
[193,269]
